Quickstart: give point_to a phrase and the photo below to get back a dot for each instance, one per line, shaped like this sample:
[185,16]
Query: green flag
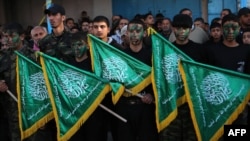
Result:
[33,100]
[116,66]
[215,97]
[166,80]
[74,94]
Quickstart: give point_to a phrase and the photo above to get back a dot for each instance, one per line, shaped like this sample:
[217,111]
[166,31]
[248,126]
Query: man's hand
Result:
[3,86]
[147,98]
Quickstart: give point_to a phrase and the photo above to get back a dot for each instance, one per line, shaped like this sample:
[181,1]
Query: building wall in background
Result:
[168,8]
[215,7]
[30,12]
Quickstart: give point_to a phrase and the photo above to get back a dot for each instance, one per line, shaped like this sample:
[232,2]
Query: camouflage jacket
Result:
[8,65]
[57,46]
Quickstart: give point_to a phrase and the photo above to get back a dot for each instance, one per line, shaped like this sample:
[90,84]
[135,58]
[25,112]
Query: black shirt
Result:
[192,49]
[232,58]
[144,55]
[84,65]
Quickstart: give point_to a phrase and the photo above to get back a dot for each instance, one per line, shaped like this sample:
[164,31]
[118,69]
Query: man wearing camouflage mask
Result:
[14,35]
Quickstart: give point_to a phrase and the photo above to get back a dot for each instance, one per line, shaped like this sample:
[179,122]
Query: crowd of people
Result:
[222,43]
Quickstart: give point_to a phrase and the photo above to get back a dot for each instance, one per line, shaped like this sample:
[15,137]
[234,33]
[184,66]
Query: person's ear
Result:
[63,17]
[22,36]
[145,33]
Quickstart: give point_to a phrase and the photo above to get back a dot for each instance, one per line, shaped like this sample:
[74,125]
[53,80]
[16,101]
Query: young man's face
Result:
[230,30]
[122,23]
[14,40]
[223,13]
[181,33]
[246,38]
[149,20]
[4,43]
[199,24]
[135,34]
[56,20]
[245,20]
[79,48]
[101,30]
[85,26]
[216,33]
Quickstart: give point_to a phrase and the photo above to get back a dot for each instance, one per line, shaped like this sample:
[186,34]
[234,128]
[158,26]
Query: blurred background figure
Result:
[37,33]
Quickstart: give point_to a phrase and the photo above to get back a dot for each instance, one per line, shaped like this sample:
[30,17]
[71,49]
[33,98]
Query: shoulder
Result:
[116,45]
[198,35]
[194,44]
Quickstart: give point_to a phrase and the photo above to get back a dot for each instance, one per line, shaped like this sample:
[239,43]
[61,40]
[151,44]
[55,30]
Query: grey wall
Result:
[30,12]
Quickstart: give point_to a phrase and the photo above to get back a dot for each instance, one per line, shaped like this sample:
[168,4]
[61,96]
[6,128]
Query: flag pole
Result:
[12,95]
[138,95]
[102,106]
[113,113]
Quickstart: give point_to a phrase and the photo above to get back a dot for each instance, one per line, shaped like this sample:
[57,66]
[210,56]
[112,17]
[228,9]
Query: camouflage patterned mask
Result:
[79,48]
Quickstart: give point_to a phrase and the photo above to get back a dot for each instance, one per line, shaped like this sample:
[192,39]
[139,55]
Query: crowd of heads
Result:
[118,24]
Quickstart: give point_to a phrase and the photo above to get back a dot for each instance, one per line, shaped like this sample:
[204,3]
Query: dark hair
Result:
[75,27]
[182,20]
[13,27]
[246,30]
[101,19]
[84,20]
[214,25]
[199,19]
[146,15]
[115,24]
[69,19]
[215,20]
[228,10]
[137,21]
[230,17]
[78,36]
[137,16]
[159,16]
[184,9]
[166,18]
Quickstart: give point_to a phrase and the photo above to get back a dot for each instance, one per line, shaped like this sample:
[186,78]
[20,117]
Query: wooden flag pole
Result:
[12,95]
[113,113]
[102,106]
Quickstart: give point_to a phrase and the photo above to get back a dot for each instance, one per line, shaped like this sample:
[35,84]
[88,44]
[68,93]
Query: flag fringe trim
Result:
[142,85]
[190,104]
[28,132]
[230,120]
[232,117]
[85,116]
[116,96]
[164,123]
[40,123]
[50,92]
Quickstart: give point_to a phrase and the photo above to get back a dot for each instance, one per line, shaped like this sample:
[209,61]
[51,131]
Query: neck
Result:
[58,30]
[230,43]
[20,45]
[106,39]
[245,26]
[80,59]
[136,48]
[182,42]
[216,40]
